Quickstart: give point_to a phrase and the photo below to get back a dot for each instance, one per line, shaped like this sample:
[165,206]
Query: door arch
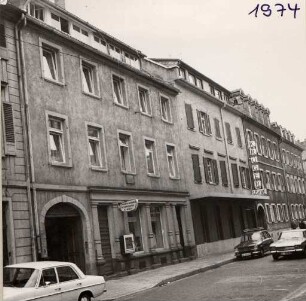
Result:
[261,217]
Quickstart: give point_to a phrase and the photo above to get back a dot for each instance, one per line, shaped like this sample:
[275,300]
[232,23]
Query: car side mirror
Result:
[47,283]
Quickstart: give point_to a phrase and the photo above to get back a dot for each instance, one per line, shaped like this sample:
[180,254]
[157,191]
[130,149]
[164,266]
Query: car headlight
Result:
[255,247]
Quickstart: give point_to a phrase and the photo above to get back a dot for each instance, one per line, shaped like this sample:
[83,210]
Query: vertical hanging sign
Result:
[258,187]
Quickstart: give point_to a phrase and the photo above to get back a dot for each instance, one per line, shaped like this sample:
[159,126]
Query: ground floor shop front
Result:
[88,228]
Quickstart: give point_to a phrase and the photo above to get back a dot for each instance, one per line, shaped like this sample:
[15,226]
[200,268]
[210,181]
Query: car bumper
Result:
[287,252]
[247,253]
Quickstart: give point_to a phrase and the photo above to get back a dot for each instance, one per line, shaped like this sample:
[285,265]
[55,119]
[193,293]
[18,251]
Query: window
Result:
[119,91]
[249,137]
[199,83]
[100,44]
[211,171]
[268,180]
[286,212]
[228,133]
[96,146]
[156,223]
[144,101]
[279,213]
[165,109]
[66,273]
[89,78]
[273,182]
[258,144]
[48,276]
[189,116]
[182,73]
[212,90]
[134,223]
[270,153]
[268,213]
[151,157]
[264,146]
[196,168]
[275,152]
[2,35]
[51,62]
[243,177]
[36,11]
[115,52]
[126,152]
[204,123]
[218,94]
[131,60]
[59,23]
[223,173]
[172,161]
[217,128]
[235,174]
[239,141]
[192,79]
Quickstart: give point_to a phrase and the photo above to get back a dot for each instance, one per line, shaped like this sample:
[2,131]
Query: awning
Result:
[221,195]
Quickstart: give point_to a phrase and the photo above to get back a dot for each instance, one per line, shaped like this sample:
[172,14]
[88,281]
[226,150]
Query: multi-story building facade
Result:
[215,157]
[18,235]
[101,132]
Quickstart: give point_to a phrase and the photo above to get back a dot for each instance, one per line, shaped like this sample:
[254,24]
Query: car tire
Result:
[275,256]
[85,297]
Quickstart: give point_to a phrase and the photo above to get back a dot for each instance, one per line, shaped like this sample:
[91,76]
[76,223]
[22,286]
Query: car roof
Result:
[39,264]
[295,230]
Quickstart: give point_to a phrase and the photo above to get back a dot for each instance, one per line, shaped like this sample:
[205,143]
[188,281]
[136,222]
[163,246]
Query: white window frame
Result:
[35,7]
[66,147]
[155,157]
[131,152]
[123,87]
[93,68]
[101,144]
[148,100]
[259,149]
[170,120]
[279,212]
[59,71]
[176,176]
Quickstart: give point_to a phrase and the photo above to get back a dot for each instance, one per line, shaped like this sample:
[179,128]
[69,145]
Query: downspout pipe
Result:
[27,136]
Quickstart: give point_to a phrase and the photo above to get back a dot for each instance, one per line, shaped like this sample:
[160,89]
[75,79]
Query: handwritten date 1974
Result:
[267,10]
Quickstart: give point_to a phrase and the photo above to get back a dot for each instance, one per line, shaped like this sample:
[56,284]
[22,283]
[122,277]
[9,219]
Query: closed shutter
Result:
[2,36]
[208,126]
[223,173]
[196,168]
[239,141]
[205,170]
[217,127]
[235,175]
[189,116]
[200,122]
[228,133]
[8,123]
[216,173]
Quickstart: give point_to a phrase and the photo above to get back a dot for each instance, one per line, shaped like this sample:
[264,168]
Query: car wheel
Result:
[275,256]
[85,297]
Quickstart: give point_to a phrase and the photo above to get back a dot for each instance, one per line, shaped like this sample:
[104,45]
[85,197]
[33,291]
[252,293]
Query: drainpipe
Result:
[27,136]
[226,148]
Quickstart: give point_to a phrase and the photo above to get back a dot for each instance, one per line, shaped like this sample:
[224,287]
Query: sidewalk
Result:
[133,284]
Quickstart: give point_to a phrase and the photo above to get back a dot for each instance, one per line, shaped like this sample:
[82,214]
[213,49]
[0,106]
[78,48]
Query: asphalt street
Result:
[250,279]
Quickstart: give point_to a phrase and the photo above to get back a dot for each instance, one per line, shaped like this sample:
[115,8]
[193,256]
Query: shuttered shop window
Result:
[223,173]
[235,175]
[189,116]
[196,168]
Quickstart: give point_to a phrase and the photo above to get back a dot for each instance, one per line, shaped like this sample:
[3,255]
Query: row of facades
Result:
[89,122]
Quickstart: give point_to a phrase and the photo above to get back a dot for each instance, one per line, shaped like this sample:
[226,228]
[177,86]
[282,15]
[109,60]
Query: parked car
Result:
[254,242]
[289,242]
[49,280]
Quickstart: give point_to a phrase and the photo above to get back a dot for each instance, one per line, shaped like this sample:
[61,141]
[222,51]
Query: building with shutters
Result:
[18,236]
[279,161]
[215,157]
[101,132]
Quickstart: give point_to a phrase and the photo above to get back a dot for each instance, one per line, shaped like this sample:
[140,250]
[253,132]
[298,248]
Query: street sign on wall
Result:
[130,205]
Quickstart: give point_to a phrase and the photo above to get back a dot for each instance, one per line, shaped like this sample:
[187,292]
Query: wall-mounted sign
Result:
[130,205]
[128,243]
[259,190]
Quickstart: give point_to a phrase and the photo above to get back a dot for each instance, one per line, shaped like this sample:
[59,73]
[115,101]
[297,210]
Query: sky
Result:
[264,56]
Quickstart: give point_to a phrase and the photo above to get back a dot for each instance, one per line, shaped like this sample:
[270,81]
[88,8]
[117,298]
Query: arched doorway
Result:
[261,220]
[64,233]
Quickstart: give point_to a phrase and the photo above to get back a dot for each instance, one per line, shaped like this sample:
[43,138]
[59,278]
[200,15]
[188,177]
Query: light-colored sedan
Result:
[49,281]
[289,242]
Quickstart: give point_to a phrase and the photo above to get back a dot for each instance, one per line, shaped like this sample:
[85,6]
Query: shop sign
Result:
[259,190]
[130,205]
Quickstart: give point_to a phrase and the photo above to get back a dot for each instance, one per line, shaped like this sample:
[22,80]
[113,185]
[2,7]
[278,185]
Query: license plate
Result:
[286,253]
[246,254]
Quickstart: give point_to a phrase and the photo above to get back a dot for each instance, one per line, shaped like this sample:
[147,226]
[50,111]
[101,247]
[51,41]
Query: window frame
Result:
[155,157]
[177,175]
[93,67]
[122,81]
[170,121]
[57,50]
[148,99]
[66,139]
[204,123]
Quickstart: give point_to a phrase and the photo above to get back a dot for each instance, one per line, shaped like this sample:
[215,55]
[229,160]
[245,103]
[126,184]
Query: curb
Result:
[175,278]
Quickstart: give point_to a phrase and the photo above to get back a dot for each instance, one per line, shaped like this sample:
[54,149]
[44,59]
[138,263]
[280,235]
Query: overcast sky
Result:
[266,57]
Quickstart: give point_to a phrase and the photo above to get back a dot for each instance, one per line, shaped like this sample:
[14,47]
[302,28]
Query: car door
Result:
[48,288]
[70,283]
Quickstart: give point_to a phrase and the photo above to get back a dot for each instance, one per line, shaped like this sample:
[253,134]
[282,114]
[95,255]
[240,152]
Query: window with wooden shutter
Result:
[208,126]
[200,122]
[228,133]
[2,36]
[217,128]
[8,128]
[216,173]
[196,168]
[223,173]
[189,116]
[206,170]
[239,141]
[235,174]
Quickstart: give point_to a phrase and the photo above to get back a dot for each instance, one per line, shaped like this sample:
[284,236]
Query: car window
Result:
[66,273]
[19,277]
[48,276]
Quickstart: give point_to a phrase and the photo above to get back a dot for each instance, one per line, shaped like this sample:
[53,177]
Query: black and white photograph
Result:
[153,150]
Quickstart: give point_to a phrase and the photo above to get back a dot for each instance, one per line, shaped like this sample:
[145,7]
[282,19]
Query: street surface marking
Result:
[299,292]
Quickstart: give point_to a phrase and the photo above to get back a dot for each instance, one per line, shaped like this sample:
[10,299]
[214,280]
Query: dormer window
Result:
[36,11]
[199,83]
[100,44]
[115,52]
[192,79]
[60,23]
[182,73]
[218,94]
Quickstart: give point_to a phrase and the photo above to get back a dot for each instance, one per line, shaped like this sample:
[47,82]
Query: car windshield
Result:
[250,236]
[19,277]
[292,235]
